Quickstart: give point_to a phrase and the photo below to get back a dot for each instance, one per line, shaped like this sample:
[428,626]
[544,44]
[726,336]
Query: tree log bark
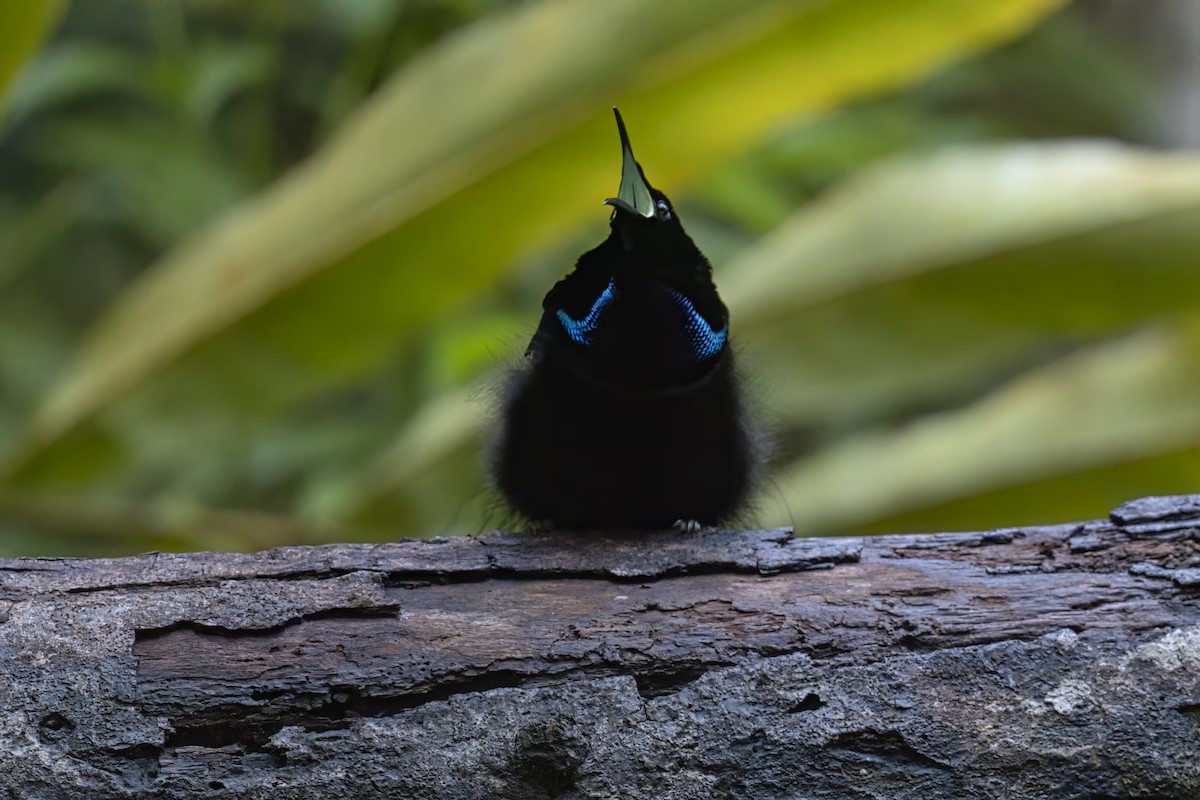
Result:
[1054,662]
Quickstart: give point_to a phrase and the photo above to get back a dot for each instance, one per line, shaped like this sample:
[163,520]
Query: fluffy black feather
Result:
[629,414]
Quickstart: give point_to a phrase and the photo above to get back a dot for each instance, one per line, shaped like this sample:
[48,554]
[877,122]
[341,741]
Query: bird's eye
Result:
[664,210]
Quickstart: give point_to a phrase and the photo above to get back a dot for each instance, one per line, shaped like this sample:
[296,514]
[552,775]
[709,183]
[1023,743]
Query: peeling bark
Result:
[1055,662]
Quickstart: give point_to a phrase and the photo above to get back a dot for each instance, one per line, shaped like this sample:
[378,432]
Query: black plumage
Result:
[628,412]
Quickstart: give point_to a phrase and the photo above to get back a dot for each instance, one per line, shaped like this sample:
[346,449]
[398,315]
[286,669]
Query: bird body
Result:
[628,413]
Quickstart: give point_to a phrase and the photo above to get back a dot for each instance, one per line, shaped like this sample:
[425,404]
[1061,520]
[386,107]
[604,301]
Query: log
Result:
[1047,662]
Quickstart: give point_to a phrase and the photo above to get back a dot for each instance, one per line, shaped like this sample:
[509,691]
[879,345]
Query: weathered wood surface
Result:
[1059,662]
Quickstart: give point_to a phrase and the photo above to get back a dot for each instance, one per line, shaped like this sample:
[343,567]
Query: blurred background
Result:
[263,263]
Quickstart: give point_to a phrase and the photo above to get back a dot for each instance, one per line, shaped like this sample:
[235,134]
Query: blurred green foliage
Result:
[263,263]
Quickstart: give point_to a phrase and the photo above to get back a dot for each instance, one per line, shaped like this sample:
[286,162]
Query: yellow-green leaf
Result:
[469,158]
[925,279]
[1132,399]
[23,26]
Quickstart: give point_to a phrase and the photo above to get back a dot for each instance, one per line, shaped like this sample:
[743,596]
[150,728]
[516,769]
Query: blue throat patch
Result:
[703,342]
[582,330]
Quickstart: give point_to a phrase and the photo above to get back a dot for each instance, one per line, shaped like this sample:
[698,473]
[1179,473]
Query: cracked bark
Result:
[1055,662]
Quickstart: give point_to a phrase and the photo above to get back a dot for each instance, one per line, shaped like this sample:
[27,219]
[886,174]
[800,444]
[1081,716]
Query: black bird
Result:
[628,412]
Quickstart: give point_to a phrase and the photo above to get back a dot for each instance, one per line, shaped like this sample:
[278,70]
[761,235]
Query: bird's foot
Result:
[687,525]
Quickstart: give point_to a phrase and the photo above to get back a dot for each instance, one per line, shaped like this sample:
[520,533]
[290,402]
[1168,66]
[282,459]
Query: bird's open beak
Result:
[634,194]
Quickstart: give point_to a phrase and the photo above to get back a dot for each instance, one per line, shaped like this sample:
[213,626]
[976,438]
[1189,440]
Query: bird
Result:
[627,411]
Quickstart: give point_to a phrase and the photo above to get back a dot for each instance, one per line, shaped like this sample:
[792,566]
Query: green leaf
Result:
[145,162]
[70,71]
[23,26]
[1088,493]
[217,73]
[27,233]
[925,214]
[1117,403]
[468,159]
[924,281]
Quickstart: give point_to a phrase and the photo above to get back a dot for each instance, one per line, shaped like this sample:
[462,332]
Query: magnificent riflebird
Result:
[627,412]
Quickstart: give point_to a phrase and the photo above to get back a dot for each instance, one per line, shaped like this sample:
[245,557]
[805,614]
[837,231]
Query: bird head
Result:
[641,309]
[644,223]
